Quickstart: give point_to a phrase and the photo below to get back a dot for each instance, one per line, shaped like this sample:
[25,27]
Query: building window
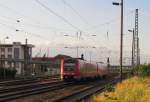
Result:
[9,49]
[16,53]
[17,65]
[10,56]
[2,63]
[2,56]
[9,64]
[2,49]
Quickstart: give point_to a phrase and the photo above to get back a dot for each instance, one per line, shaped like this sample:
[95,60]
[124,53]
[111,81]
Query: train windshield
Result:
[69,65]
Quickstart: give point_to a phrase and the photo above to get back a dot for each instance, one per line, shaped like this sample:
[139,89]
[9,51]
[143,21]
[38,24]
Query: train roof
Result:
[69,60]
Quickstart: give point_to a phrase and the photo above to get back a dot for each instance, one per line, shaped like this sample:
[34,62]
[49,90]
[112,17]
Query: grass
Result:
[136,89]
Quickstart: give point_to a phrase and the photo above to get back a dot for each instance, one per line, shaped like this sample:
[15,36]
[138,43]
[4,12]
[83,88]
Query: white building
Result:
[15,51]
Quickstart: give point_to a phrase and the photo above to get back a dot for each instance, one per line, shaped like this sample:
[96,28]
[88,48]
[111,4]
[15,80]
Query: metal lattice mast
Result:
[136,56]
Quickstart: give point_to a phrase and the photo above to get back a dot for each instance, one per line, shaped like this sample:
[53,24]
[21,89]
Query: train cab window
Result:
[69,65]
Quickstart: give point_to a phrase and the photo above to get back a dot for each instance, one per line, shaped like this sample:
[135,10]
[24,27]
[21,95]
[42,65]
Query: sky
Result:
[46,27]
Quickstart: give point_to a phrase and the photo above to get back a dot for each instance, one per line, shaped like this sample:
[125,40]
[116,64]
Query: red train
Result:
[76,69]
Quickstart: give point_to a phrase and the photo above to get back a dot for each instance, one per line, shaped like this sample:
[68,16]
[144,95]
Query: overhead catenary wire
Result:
[26,32]
[14,21]
[38,26]
[8,26]
[110,21]
[18,13]
[34,34]
[23,17]
[21,23]
[56,14]
[75,11]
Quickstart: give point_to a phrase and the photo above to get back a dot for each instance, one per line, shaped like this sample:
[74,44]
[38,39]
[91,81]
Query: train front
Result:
[70,69]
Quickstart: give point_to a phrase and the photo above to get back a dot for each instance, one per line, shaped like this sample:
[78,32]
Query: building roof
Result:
[62,56]
[59,56]
[16,43]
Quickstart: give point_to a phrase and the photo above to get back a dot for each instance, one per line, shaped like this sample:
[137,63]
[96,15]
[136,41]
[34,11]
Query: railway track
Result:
[70,93]
[55,92]
[16,82]
[26,81]
[26,86]
[8,94]
[83,94]
[52,95]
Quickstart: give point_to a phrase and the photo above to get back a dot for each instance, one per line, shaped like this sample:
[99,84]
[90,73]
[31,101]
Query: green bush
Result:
[7,72]
[109,88]
[143,70]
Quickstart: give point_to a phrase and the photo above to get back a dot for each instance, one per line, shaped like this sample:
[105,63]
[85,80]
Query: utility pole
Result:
[136,41]
[77,43]
[138,52]
[77,37]
[121,40]
[78,34]
[121,36]
[133,47]
[25,57]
